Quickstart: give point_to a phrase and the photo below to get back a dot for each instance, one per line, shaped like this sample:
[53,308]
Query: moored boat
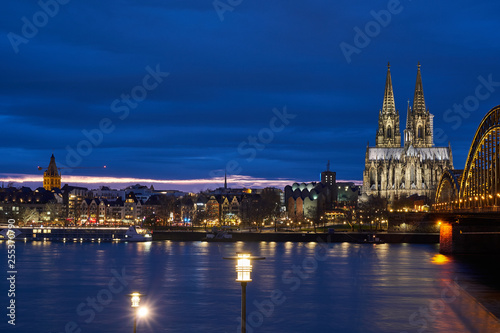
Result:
[77,234]
[372,239]
[221,236]
[137,234]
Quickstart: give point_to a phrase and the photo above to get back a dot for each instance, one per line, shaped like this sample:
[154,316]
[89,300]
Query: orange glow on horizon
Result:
[238,179]
[235,181]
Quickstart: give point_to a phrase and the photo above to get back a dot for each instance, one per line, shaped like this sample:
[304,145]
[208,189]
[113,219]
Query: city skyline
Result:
[187,185]
[269,92]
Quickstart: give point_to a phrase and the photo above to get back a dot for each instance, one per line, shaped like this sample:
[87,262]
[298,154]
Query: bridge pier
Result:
[468,238]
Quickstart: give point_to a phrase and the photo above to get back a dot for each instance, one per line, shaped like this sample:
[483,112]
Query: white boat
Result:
[137,234]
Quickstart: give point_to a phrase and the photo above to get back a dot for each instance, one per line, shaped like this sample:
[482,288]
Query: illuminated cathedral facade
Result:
[396,171]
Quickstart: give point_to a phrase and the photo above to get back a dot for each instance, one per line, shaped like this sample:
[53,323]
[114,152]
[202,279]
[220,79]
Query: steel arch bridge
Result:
[447,194]
[478,186]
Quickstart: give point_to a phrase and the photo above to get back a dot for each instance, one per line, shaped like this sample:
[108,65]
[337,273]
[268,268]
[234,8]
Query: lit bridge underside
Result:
[477,187]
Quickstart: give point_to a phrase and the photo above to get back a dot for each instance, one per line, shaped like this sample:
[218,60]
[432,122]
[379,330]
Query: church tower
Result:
[388,133]
[419,121]
[51,176]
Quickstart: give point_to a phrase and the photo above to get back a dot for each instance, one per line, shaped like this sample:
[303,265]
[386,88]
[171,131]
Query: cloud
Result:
[226,77]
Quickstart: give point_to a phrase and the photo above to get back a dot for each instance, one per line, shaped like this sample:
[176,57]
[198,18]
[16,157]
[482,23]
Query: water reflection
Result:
[338,287]
[144,247]
[440,259]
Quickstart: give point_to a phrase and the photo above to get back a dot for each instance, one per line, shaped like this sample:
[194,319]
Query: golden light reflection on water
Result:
[239,246]
[268,249]
[288,248]
[382,249]
[311,245]
[144,247]
[440,259]
[202,244]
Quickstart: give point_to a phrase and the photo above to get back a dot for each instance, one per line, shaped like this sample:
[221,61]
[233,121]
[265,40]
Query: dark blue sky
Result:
[228,70]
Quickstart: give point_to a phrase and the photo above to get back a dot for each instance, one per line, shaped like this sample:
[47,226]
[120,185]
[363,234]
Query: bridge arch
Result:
[480,182]
[448,190]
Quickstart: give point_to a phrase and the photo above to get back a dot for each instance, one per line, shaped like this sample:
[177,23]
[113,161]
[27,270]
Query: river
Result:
[299,287]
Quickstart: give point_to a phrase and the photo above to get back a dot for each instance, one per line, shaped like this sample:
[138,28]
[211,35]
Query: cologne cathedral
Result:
[394,171]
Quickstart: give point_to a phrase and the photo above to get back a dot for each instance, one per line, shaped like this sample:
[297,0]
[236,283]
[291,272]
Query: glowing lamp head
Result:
[243,267]
[136,299]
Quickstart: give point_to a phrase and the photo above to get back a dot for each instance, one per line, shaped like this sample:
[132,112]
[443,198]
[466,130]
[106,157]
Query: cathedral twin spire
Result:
[389,105]
[388,134]
[419,122]
[418,97]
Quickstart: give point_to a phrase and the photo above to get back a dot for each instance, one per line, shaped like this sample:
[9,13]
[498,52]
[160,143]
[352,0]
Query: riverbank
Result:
[338,237]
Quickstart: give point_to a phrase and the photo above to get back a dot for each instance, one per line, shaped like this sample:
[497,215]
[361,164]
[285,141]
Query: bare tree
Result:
[51,211]
[29,215]
[270,206]
[315,216]
[167,206]
[201,217]
[373,208]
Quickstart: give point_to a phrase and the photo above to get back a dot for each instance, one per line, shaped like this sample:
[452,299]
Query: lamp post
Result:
[135,298]
[243,270]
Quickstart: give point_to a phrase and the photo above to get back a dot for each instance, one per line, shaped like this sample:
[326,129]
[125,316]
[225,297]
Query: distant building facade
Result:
[393,171]
[312,200]
[231,206]
[25,205]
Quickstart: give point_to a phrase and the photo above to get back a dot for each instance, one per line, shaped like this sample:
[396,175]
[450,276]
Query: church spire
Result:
[225,179]
[388,133]
[408,116]
[52,169]
[388,106]
[420,124]
[418,99]
[408,132]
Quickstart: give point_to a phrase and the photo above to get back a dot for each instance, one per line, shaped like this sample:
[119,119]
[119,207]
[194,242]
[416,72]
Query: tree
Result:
[403,203]
[150,221]
[166,206]
[251,209]
[201,217]
[51,211]
[372,208]
[270,203]
[29,215]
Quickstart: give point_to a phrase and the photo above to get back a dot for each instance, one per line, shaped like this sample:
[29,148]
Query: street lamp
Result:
[243,270]
[135,298]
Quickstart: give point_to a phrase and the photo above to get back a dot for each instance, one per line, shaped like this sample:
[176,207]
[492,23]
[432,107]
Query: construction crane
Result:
[103,167]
